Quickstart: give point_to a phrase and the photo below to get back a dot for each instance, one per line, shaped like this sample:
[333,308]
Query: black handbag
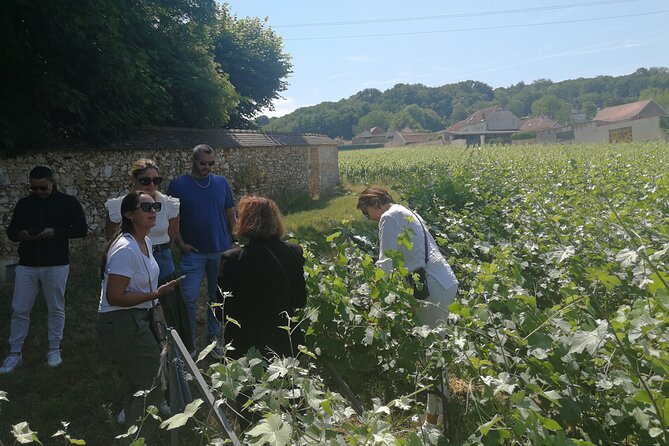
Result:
[420,290]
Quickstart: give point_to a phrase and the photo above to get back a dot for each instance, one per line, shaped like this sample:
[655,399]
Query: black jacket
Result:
[261,293]
[59,211]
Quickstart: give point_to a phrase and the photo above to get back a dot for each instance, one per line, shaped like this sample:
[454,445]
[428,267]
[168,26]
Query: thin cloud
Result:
[339,75]
[569,53]
[359,59]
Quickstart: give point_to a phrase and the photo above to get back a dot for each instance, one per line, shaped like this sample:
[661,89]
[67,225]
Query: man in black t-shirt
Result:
[42,224]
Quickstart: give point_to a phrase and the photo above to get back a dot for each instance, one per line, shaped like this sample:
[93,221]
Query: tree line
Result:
[92,69]
[435,108]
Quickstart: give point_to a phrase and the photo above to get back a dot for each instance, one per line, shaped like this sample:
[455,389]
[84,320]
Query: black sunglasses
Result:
[36,188]
[364,212]
[146,207]
[145,181]
[206,163]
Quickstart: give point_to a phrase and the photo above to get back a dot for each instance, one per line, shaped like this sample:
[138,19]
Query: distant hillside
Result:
[434,108]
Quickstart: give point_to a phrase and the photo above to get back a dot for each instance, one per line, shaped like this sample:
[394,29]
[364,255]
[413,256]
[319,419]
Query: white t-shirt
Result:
[124,258]
[158,234]
[391,225]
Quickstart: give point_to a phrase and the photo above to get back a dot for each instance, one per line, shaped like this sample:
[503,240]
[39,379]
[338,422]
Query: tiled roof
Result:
[377,131]
[364,134]
[538,124]
[477,116]
[174,137]
[623,112]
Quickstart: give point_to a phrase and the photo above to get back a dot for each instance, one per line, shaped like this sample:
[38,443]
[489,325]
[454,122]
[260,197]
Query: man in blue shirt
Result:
[207,218]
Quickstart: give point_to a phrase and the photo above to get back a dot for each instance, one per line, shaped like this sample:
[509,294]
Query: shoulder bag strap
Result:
[424,235]
[146,268]
[283,271]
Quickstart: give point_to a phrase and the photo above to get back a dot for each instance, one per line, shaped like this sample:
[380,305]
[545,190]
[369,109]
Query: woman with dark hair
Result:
[129,293]
[145,177]
[266,278]
[377,204]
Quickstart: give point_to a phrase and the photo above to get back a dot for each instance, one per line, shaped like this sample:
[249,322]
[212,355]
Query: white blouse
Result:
[125,258]
[158,234]
[391,225]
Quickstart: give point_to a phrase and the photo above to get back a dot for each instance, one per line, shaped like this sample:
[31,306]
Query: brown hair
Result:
[141,165]
[374,196]
[259,218]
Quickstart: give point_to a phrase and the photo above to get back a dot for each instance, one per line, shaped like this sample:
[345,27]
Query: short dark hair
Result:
[39,172]
[202,148]
[130,203]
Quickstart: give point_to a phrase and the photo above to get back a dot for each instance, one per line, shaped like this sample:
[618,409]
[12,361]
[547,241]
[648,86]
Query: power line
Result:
[484,28]
[453,16]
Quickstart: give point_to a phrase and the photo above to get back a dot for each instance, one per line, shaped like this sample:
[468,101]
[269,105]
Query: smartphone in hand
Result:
[180,278]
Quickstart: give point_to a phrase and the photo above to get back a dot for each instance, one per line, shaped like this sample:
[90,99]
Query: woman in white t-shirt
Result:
[378,205]
[145,177]
[129,291]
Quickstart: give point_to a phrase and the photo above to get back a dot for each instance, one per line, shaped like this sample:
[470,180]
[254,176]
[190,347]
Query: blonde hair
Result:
[140,166]
[259,218]
[374,196]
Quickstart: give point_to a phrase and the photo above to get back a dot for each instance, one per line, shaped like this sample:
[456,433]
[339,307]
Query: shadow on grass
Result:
[300,202]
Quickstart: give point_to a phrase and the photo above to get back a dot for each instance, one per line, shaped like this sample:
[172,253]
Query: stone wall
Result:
[253,162]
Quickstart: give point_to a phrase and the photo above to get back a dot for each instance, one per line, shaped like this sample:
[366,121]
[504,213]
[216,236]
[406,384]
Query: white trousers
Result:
[53,280]
[438,301]
[432,314]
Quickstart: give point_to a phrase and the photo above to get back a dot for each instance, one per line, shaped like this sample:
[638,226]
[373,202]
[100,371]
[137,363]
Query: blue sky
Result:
[341,47]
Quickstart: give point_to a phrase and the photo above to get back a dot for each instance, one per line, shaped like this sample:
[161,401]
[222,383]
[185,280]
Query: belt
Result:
[162,247]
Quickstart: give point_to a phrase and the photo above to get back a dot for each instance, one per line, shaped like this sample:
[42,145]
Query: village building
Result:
[492,123]
[530,126]
[375,135]
[637,121]
[406,137]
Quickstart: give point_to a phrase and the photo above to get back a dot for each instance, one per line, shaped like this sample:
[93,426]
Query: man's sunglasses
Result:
[36,188]
[206,163]
[146,207]
[145,181]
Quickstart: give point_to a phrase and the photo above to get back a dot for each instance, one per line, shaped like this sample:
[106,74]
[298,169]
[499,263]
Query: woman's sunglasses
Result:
[145,181]
[146,207]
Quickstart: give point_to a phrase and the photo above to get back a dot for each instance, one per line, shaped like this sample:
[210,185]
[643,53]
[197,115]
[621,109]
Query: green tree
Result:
[417,118]
[92,69]
[590,109]
[252,55]
[376,118]
[552,107]
[659,95]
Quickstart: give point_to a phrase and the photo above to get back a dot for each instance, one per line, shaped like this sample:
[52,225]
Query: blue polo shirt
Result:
[203,221]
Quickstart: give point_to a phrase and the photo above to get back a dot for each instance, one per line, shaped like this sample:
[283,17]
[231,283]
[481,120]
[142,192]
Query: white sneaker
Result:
[12,361]
[53,358]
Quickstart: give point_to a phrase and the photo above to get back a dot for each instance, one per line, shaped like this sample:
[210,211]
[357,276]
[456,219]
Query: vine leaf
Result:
[272,431]
[180,419]
[589,340]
